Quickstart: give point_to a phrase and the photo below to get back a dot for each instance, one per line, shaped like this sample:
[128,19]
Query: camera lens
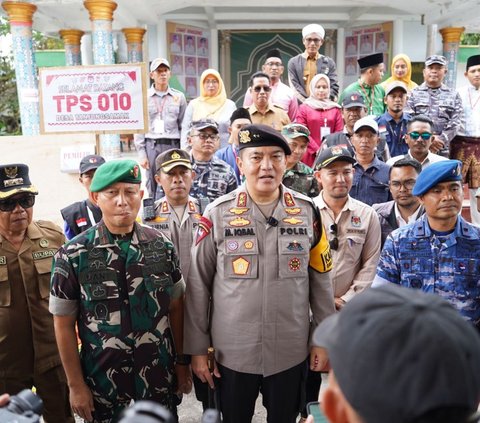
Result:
[25,401]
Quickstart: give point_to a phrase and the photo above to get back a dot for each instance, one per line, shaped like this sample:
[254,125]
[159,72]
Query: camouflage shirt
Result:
[449,265]
[300,178]
[212,180]
[121,289]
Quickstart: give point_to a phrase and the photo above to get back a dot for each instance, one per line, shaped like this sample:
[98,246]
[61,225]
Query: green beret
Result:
[116,171]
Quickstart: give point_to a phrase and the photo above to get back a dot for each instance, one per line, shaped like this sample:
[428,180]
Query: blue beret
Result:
[446,170]
[115,171]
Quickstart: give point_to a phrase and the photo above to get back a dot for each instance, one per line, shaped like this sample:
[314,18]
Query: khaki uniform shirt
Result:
[27,339]
[275,117]
[359,240]
[258,277]
[181,233]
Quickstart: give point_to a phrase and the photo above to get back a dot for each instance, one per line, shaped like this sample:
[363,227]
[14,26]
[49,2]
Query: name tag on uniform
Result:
[3,260]
[38,255]
[158,126]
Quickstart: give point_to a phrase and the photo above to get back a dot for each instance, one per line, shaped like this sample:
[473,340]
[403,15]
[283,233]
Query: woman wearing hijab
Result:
[212,104]
[320,115]
[401,71]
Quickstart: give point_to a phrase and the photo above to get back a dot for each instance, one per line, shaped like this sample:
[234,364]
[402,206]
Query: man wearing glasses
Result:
[405,208]
[262,110]
[282,94]
[419,138]
[28,351]
[303,67]
[213,177]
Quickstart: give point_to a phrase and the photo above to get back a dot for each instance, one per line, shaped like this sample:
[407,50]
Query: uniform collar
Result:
[421,229]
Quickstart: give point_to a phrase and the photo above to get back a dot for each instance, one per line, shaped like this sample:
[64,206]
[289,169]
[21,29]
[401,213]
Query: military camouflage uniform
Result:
[212,180]
[448,265]
[300,178]
[121,290]
[443,105]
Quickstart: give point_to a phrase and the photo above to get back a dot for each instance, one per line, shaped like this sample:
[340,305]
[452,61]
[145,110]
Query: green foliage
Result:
[470,39]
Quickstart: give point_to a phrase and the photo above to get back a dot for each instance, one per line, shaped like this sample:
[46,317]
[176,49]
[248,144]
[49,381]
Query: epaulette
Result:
[49,225]
[223,199]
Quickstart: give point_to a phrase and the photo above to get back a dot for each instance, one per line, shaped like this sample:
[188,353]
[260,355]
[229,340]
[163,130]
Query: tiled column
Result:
[451,41]
[20,16]
[71,39]
[101,15]
[134,37]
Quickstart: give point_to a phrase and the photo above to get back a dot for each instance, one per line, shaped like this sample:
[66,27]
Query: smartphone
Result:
[148,209]
[313,408]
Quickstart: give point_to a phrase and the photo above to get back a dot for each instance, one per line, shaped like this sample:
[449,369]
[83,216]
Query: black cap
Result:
[398,353]
[353,99]
[14,179]
[240,113]
[473,61]
[261,136]
[371,60]
[90,162]
[274,53]
[333,154]
[204,124]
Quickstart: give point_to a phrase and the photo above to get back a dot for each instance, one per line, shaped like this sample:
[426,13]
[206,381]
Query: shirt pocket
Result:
[417,273]
[445,111]
[102,304]
[354,247]
[467,278]
[5,290]
[294,257]
[240,258]
[43,268]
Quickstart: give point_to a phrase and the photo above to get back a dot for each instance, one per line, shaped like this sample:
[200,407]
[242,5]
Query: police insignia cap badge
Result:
[14,178]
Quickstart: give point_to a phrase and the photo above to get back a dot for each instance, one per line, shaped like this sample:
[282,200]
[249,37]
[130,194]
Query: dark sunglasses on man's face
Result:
[25,202]
[416,135]
[257,89]
[333,229]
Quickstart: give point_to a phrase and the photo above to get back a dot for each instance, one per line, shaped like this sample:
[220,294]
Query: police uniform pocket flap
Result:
[241,246]
[43,267]
[5,293]
[297,246]
[354,239]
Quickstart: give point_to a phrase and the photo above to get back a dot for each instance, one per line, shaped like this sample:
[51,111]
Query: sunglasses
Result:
[333,229]
[416,135]
[257,89]
[24,202]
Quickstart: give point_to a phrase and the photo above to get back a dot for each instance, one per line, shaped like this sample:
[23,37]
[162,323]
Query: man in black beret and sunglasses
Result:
[28,351]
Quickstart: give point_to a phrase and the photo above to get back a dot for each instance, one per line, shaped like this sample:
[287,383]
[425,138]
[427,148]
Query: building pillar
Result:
[20,17]
[451,41]
[225,63]
[134,37]
[340,58]
[397,42]
[72,40]
[101,15]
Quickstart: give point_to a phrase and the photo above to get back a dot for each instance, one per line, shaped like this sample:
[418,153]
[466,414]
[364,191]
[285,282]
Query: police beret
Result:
[14,179]
[371,60]
[446,170]
[116,171]
[261,136]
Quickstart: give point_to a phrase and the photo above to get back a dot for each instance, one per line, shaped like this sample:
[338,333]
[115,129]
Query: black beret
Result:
[371,60]
[261,136]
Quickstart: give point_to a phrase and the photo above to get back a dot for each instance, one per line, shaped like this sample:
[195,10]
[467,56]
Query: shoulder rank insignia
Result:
[238,210]
[165,207]
[204,228]
[242,199]
[292,220]
[239,221]
[191,206]
[293,210]
[289,199]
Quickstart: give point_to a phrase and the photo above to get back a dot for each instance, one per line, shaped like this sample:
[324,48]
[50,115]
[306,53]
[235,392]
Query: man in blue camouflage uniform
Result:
[120,282]
[440,252]
[298,175]
[213,177]
[440,103]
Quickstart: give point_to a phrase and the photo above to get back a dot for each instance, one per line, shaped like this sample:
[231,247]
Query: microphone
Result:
[272,221]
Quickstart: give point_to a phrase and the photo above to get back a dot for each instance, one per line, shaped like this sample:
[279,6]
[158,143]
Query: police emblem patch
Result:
[356,221]
[240,266]
[44,243]
[295,246]
[232,245]
[294,264]
[248,245]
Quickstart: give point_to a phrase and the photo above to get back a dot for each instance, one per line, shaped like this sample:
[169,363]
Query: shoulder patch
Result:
[203,230]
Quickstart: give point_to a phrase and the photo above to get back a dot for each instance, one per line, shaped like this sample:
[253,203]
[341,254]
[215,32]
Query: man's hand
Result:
[339,303]
[319,359]
[184,379]
[81,400]
[200,368]
[4,400]
[144,163]
[437,145]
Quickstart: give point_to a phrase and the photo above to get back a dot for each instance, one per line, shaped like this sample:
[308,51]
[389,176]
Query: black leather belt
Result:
[163,140]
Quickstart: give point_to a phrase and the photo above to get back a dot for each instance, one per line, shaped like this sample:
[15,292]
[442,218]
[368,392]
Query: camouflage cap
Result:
[116,171]
[14,179]
[295,130]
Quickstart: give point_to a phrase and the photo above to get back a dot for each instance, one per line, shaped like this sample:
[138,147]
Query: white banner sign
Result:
[101,99]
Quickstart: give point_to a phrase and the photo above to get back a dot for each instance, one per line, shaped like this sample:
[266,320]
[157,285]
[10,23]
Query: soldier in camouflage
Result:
[120,282]
[213,177]
[440,103]
[298,175]
[440,252]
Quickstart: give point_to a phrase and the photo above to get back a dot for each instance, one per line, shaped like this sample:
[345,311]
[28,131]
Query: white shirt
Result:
[412,218]
[471,111]
[431,158]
